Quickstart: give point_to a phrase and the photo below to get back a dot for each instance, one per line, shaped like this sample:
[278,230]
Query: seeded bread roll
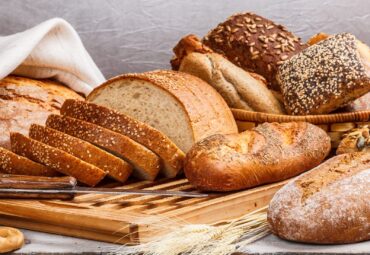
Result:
[325,76]
[255,44]
[329,204]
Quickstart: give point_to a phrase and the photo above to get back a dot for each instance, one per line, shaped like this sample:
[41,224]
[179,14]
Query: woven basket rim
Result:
[260,117]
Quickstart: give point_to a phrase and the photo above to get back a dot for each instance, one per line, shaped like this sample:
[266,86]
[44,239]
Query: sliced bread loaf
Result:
[115,167]
[142,133]
[182,106]
[146,163]
[11,163]
[56,159]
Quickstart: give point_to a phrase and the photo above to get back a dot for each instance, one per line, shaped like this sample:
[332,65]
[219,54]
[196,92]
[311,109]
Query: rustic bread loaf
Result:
[145,162]
[25,101]
[172,157]
[182,106]
[325,76]
[11,163]
[56,159]
[329,204]
[356,140]
[269,153]
[254,43]
[115,167]
[239,88]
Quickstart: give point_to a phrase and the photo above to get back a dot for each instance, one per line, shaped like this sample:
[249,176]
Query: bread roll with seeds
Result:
[11,163]
[255,44]
[56,159]
[145,162]
[328,205]
[325,76]
[115,167]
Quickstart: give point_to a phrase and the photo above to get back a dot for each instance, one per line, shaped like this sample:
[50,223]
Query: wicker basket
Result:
[334,124]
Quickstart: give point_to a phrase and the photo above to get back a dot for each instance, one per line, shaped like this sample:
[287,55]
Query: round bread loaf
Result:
[25,101]
[254,43]
[329,204]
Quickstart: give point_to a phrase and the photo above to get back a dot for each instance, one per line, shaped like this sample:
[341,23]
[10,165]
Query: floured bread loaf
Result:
[330,204]
[182,106]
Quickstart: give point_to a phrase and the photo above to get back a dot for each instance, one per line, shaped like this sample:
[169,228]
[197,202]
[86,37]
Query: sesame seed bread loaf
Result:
[269,153]
[255,44]
[325,76]
[239,88]
[182,106]
[327,205]
[25,101]
[11,163]
[145,162]
[115,167]
[56,159]
[172,157]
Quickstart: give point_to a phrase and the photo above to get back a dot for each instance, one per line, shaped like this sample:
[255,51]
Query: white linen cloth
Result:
[51,49]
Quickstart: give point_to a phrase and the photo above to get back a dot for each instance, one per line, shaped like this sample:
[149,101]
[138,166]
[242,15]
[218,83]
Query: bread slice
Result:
[183,107]
[146,163]
[56,159]
[171,155]
[11,163]
[112,165]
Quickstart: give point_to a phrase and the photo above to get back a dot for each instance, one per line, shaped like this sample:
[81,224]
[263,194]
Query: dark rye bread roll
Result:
[255,44]
[327,205]
[269,153]
[325,76]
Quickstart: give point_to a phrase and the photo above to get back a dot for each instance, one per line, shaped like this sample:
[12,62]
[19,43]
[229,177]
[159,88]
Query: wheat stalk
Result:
[194,239]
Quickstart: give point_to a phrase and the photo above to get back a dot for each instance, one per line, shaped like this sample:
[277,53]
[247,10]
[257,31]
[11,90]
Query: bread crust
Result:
[327,205]
[270,152]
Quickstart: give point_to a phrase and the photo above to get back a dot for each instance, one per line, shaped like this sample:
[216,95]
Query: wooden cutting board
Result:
[131,218]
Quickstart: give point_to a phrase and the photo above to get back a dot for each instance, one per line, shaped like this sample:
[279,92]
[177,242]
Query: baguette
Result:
[56,159]
[11,163]
[113,166]
[269,153]
[145,162]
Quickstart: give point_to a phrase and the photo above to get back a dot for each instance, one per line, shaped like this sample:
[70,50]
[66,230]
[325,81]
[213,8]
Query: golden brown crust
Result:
[56,159]
[11,163]
[146,163]
[11,239]
[112,165]
[327,205]
[269,153]
[255,44]
[317,38]
[25,101]
[356,140]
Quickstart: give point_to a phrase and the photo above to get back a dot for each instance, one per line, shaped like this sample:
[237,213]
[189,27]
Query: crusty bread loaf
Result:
[356,140]
[146,163]
[11,163]
[182,106]
[115,167]
[239,88]
[325,76]
[269,153]
[25,101]
[56,159]
[329,204]
[254,43]
[160,144]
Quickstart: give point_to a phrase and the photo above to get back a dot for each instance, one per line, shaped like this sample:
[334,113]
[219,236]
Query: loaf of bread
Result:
[115,167]
[171,155]
[325,76]
[182,106]
[146,163]
[255,44]
[25,101]
[329,204]
[239,88]
[269,153]
[56,159]
[356,140]
[11,163]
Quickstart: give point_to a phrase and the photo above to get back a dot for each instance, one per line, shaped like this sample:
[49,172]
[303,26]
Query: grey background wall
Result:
[133,36]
